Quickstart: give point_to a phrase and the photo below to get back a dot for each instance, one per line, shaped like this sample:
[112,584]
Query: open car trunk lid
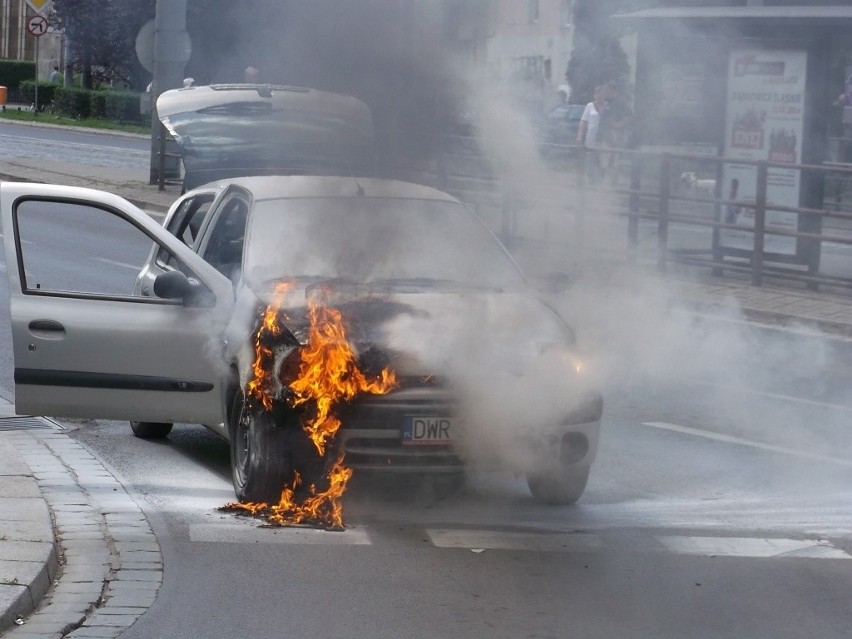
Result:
[234,130]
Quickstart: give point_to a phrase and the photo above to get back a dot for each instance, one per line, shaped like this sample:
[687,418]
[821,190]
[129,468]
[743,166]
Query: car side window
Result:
[185,224]
[74,248]
[224,250]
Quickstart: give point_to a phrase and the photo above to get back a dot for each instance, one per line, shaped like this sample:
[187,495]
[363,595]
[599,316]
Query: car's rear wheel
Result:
[559,484]
[261,463]
[150,430]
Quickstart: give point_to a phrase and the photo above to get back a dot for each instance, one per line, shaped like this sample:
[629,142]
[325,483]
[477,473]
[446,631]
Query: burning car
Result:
[310,320]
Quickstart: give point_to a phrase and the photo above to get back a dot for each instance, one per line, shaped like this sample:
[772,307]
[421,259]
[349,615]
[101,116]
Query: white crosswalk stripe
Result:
[501,540]
[244,532]
[479,540]
[752,547]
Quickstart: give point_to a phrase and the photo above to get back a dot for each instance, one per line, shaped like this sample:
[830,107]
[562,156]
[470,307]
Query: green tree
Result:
[597,56]
[102,36]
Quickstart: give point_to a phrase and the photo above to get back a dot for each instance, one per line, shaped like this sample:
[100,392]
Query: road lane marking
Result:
[752,547]
[788,398]
[502,540]
[740,441]
[251,532]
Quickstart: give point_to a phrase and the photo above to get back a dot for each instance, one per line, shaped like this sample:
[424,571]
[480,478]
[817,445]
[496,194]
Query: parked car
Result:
[230,130]
[159,324]
[561,124]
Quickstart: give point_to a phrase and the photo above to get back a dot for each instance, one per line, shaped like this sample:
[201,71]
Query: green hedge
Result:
[72,102]
[46,92]
[13,72]
[122,106]
[76,102]
[107,104]
[97,105]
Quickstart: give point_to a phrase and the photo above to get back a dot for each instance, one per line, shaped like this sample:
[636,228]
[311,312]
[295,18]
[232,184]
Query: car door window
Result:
[78,249]
[224,248]
[185,224]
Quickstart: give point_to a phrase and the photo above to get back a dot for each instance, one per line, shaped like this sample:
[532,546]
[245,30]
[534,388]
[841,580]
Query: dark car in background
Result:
[561,123]
[235,130]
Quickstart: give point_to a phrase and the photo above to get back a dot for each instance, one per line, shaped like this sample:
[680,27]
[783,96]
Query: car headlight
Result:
[564,353]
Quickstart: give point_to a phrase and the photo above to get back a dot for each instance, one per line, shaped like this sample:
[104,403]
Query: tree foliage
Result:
[102,35]
[597,56]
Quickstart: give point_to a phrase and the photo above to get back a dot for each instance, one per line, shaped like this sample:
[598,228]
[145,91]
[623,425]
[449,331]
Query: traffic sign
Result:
[37,25]
[38,5]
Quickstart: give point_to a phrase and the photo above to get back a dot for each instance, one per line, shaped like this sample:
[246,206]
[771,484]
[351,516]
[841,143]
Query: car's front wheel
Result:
[260,460]
[150,430]
[559,484]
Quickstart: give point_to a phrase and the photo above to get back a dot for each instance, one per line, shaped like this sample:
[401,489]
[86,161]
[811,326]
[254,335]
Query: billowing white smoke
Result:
[505,357]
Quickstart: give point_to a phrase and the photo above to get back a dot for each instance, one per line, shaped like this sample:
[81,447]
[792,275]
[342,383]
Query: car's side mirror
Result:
[175,285]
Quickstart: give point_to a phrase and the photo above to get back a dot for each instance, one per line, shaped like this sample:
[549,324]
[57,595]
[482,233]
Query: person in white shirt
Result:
[588,135]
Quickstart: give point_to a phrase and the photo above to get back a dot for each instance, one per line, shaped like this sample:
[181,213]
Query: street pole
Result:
[171,52]
[35,104]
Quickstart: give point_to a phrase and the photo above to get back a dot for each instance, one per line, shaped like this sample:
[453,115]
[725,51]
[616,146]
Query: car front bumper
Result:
[373,437]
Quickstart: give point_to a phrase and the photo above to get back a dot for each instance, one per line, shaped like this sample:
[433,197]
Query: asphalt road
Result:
[65,144]
[719,507]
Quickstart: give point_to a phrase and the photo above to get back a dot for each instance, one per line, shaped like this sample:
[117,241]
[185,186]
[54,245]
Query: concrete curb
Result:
[29,561]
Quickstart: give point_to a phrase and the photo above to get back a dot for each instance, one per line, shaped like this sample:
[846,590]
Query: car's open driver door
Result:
[86,345]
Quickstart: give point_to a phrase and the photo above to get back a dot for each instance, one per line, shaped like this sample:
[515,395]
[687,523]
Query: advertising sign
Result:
[764,121]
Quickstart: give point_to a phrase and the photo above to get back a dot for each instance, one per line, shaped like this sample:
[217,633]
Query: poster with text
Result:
[764,121]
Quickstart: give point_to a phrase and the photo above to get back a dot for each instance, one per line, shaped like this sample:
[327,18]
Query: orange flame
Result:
[327,374]
[321,509]
[270,327]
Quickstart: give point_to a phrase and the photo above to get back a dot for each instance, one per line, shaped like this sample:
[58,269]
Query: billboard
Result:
[764,121]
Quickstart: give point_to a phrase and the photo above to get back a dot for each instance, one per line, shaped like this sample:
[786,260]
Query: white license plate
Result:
[420,429]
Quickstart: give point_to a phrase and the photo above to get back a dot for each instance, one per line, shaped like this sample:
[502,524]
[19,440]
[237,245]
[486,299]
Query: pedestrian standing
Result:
[588,134]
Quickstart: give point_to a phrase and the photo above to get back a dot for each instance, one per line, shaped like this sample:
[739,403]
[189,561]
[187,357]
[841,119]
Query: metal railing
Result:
[689,226]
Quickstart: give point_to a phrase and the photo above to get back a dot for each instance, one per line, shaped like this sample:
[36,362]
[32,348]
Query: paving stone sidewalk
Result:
[67,522]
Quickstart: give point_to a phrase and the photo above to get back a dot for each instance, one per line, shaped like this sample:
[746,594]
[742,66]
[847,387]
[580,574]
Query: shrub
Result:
[46,92]
[72,102]
[97,104]
[13,72]
[122,106]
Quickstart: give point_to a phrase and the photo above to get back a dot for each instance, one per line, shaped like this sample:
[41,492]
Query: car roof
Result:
[272,187]
[200,97]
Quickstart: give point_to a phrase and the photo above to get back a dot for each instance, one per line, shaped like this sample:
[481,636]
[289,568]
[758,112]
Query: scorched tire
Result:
[150,430]
[559,485]
[260,459]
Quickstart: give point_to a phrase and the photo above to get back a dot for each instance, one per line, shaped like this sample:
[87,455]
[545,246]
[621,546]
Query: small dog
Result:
[705,187]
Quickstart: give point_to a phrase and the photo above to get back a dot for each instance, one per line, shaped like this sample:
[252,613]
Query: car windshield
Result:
[369,239]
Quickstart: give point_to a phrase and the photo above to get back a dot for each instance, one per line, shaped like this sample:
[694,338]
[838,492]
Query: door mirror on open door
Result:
[176,285]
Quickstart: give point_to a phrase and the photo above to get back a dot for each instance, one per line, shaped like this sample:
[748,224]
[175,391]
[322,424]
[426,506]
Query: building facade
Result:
[527,48]
[16,43]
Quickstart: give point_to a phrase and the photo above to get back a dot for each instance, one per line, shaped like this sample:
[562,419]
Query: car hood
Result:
[236,130]
[416,328]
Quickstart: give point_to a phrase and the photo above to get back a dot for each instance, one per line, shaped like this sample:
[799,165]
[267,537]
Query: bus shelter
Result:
[759,87]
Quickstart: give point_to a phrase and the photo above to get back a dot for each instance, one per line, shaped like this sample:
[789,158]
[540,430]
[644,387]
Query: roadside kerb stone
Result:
[112,566]
[28,558]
